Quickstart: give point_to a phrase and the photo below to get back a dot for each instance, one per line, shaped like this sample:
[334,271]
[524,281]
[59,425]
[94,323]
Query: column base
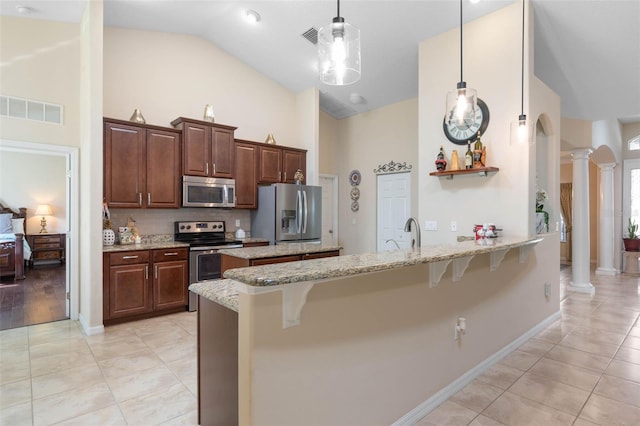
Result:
[583,288]
[607,271]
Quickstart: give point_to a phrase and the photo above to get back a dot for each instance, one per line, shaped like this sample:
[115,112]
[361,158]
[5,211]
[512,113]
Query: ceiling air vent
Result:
[311,34]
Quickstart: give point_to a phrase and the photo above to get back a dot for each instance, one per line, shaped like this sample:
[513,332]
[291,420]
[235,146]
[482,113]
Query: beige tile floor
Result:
[582,370]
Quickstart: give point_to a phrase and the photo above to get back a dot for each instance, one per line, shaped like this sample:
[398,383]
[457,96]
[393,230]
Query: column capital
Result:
[607,166]
[581,154]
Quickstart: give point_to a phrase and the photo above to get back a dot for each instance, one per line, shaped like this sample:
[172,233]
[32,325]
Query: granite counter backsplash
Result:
[149,242]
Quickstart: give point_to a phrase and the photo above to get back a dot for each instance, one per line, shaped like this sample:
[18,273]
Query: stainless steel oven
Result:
[205,238]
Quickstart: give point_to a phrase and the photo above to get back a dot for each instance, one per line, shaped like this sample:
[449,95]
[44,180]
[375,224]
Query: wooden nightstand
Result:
[46,248]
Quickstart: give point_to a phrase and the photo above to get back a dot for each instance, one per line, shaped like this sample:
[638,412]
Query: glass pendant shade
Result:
[521,131]
[461,104]
[339,53]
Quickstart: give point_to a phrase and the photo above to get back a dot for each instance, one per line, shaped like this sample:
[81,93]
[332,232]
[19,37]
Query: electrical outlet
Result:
[547,289]
[353,221]
[237,222]
[430,225]
[460,328]
[454,226]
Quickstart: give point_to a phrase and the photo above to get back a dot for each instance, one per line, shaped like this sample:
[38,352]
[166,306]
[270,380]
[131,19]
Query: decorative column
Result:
[580,247]
[605,225]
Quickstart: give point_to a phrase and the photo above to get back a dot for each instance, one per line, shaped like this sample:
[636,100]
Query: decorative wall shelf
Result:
[450,173]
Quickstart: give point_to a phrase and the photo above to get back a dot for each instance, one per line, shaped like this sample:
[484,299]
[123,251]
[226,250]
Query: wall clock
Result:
[467,130]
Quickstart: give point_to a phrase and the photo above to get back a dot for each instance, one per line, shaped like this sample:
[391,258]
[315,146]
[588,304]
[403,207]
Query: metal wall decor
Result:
[355,178]
[392,167]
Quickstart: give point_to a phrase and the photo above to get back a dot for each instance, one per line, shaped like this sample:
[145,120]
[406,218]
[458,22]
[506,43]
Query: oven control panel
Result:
[197,227]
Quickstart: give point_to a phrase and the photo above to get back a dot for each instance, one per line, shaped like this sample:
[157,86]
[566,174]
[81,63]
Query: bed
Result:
[13,244]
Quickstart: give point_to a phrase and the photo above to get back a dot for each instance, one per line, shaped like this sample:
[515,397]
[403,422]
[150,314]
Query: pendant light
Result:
[520,129]
[339,52]
[462,102]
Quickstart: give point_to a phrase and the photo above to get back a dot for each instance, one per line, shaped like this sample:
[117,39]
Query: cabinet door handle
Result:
[285,176]
[206,168]
[279,175]
[155,272]
[171,254]
[129,257]
[148,198]
[140,198]
[146,272]
[214,169]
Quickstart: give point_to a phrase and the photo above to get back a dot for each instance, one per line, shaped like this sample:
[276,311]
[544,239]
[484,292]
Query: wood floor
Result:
[37,299]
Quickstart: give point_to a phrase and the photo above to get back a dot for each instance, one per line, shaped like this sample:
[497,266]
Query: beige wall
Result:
[41,61]
[576,134]
[27,180]
[329,144]
[364,142]
[506,197]
[169,75]
[370,348]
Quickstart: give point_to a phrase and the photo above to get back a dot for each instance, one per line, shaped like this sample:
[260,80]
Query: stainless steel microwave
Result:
[208,192]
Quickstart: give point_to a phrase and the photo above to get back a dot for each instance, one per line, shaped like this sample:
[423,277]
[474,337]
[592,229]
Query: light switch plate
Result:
[237,222]
[454,226]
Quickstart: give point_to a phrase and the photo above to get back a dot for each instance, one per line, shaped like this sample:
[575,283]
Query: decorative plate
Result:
[355,206]
[354,177]
[355,193]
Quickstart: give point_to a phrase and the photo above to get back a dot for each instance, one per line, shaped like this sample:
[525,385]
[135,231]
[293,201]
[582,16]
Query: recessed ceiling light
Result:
[253,17]
[23,10]
[356,99]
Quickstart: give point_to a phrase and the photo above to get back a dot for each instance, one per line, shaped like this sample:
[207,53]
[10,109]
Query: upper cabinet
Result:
[208,148]
[141,165]
[279,164]
[246,173]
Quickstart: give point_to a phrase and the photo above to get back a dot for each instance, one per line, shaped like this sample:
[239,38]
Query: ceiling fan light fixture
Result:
[339,52]
[463,101]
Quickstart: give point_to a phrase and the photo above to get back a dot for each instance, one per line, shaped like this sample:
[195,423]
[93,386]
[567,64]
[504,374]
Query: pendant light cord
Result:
[461,40]
[338,8]
[522,74]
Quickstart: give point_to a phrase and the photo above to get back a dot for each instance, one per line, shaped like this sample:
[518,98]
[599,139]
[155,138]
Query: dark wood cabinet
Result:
[255,244]
[143,283]
[246,174]
[208,148]
[278,164]
[141,165]
[46,248]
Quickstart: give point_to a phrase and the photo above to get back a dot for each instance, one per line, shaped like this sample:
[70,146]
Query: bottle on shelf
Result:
[468,157]
[455,163]
[477,153]
[441,163]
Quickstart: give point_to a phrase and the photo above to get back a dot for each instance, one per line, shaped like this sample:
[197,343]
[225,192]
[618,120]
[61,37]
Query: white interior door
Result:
[393,210]
[329,184]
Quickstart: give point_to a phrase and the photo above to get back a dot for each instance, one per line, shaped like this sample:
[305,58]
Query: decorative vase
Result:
[108,237]
[208,114]
[137,117]
[270,140]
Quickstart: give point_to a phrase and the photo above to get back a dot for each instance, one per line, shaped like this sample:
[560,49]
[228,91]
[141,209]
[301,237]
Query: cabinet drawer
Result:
[46,239]
[166,255]
[129,257]
[320,255]
[46,255]
[39,246]
[271,260]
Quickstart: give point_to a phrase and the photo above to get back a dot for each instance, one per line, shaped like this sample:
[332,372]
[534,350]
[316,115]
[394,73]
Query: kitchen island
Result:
[369,339]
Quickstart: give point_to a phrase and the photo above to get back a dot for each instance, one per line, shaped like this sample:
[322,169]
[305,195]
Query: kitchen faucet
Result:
[394,242]
[407,228]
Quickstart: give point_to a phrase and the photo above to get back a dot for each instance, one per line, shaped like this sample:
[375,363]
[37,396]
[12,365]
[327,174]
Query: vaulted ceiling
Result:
[588,51]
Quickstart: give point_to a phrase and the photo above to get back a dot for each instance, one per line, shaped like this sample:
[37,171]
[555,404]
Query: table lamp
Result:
[43,210]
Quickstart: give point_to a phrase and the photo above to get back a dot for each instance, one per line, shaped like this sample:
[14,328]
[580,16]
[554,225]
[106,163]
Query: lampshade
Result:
[44,210]
[339,52]
[463,101]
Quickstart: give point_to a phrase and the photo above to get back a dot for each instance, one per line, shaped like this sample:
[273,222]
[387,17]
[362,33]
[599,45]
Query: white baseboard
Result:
[90,331]
[413,416]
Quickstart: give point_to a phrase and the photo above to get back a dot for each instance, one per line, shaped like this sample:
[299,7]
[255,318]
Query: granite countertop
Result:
[341,266]
[254,240]
[223,292]
[278,250]
[144,246]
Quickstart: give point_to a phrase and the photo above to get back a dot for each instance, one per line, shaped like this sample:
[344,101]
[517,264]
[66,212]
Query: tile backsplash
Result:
[160,221]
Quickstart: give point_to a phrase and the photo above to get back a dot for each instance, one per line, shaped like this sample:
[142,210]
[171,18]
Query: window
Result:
[634,144]
[31,110]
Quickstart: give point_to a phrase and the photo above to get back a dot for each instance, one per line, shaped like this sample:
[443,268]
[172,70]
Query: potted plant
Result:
[632,242]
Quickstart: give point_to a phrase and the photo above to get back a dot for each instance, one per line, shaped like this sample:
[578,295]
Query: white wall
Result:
[366,141]
[504,197]
[41,61]
[27,180]
[308,131]
[170,75]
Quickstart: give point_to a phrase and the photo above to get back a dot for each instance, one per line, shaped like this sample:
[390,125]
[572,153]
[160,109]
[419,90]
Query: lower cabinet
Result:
[231,262]
[144,283]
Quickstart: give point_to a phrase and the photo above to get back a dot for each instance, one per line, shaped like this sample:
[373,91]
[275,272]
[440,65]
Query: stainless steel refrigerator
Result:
[288,213]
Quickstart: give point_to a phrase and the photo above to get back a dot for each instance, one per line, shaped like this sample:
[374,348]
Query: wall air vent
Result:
[30,110]
[311,34]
